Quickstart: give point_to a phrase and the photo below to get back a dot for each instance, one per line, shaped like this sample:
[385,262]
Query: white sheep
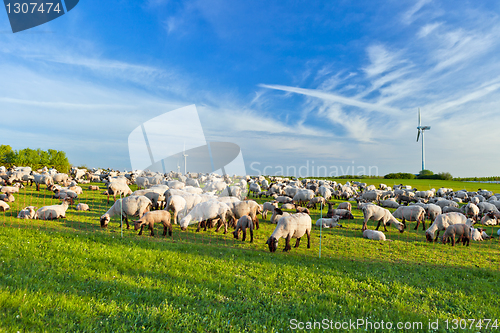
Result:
[206,212]
[374,235]
[150,218]
[442,222]
[117,188]
[380,215]
[411,213]
[269,206]
[4,206]
[129,206]
[292,226]
[54,211]
[328,222]
[303,196]
[82,207]
[27,213]
[478,234]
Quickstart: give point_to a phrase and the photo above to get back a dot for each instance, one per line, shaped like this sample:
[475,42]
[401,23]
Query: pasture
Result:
[70,275]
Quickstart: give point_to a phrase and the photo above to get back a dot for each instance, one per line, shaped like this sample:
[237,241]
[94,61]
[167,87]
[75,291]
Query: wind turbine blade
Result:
[418,135]
[419,123]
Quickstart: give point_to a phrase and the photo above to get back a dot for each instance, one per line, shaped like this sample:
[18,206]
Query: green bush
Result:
[400,175]
[34,158]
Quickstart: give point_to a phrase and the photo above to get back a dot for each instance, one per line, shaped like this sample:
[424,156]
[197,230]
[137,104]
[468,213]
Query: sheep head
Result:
[272,243]
[105,220]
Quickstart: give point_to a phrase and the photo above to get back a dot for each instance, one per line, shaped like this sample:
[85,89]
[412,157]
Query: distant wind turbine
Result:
[421,129]
[185,159]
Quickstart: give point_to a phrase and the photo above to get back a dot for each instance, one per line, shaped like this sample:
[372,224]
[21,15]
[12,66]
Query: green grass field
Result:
[70,275]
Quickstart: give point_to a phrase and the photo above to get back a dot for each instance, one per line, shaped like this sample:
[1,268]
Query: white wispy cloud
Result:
[410,15]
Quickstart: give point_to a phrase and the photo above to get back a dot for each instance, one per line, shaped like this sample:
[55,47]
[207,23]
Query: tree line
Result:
[34,158]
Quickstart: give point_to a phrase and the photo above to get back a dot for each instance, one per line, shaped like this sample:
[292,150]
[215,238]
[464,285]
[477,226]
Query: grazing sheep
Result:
[446,203]
[4,206]
[462,231]
[303,196]
[411,213]
[176,204]
[206,212]
[150,218]
[54,212]
[42,179]
[82,207]
[292,226]
[268,207]
[442,222]
[328,222]
[27,213]
[248,207]
[283,199]
[342,213]
[129,206]
[94,188]
[255,188]
[118,188]
[243,223]
[485,207]
[374,235]
[380,215]
[389,203]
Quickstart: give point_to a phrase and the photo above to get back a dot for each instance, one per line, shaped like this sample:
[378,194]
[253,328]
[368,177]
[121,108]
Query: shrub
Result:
[400,175]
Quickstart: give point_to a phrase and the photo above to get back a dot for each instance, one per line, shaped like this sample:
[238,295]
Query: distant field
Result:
[72,276]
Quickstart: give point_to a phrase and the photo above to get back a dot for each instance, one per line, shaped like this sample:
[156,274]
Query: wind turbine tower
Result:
[185,160]
[421,129]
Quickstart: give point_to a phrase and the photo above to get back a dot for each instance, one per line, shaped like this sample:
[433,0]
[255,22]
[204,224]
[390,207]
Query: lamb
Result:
[4,206]
[129,206]
[9,189]
[485,207]
[94,188]
[150,218]
[255,188]
[284,199]
[60,178]
[243,223]
[461,231]
[490,218]
[53,212]
[478,234]
[207,211]
[82,207]
[442,222]
[142,182]
[389,203]
[381,215]
[118,188]
[328,222]
[342,213]
[27,213]
[299,209]
[411,213]
[288,206]
[268,207]
[292,226]
[374,235]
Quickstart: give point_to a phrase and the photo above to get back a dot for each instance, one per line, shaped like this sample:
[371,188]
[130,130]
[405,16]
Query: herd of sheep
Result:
[210,200]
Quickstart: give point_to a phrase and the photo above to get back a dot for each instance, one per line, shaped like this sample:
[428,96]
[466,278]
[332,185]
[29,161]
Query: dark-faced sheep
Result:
[292,226]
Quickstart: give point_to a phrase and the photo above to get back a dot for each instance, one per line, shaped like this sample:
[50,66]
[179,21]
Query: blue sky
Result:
[294,84]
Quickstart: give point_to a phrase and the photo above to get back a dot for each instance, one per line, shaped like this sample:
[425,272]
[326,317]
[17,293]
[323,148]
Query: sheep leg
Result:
[364,224]
[308,233]
[140,232]
[452,240]
[199,227]
[151,227]
[256,221]
[297,242]
[437,234]
[251,235]
[287,244]
[404,222]
[37,187]
[244,232]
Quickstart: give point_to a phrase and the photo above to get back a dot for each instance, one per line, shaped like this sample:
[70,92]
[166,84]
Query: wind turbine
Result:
[185,160]
[421,129]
